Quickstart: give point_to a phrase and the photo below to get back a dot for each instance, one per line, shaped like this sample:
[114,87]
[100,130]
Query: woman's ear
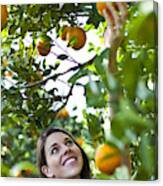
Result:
[47,171]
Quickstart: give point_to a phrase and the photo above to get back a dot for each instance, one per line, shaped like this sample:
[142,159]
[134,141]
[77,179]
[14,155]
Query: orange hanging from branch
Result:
[107,158]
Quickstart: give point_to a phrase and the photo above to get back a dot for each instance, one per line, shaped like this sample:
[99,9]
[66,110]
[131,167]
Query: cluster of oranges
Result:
[75,36]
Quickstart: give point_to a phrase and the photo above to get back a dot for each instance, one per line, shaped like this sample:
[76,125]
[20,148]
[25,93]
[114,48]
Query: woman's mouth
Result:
[69,160]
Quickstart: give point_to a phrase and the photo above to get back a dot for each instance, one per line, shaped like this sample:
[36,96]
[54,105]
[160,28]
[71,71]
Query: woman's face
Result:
[63,156]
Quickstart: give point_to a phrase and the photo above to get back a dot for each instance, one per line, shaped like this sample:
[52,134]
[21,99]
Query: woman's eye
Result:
[54,151]
[69,142]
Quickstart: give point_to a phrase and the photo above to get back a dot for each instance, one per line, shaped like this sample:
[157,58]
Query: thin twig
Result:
[67,98]
[55,76]
[66,52]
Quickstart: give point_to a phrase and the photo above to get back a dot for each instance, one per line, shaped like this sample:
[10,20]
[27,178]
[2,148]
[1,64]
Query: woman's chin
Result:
[72,173]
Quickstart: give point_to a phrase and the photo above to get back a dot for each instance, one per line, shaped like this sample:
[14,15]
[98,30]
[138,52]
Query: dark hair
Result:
[41,159]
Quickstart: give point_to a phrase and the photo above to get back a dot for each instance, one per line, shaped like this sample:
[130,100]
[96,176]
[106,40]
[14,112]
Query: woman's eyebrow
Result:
[53,145]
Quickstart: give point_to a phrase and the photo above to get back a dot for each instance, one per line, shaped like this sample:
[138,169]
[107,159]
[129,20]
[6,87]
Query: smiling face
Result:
[63,156]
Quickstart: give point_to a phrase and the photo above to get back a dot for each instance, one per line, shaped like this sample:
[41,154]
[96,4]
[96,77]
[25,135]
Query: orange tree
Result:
[28,106]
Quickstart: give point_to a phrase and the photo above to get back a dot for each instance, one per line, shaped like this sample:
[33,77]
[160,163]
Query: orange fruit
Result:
[8,74]
[64,31]
[75,36]
[62,114]
[28,172]
[43,45]
[107,158]
[4,15]
[100,6]
[18,174]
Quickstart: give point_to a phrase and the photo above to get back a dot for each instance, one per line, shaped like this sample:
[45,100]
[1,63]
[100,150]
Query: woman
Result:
[59,156]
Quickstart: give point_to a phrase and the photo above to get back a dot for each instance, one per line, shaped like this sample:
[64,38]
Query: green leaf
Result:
[47,19]
[101,65]
[128,118]
[47,72]
[94,126]
[99,62]
[88,27]
[78,75]
[142,92]
[131,71]
[96,95]
[62,57]
[143,28]
[148,156]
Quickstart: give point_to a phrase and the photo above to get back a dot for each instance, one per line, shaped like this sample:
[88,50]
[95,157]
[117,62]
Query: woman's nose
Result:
[67,149]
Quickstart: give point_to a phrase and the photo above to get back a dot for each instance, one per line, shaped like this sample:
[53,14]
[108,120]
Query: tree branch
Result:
[55,76]
[67,98]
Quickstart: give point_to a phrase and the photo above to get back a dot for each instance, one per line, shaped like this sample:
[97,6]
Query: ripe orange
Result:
[18,174]
[62,114]
[28,172]
[43,45]
[8,74]
[107,158]
[64,31]
[75,36]
[4,15]
[100,6]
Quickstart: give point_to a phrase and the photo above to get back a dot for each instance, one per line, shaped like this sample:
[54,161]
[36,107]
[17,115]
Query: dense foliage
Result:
[28,106]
